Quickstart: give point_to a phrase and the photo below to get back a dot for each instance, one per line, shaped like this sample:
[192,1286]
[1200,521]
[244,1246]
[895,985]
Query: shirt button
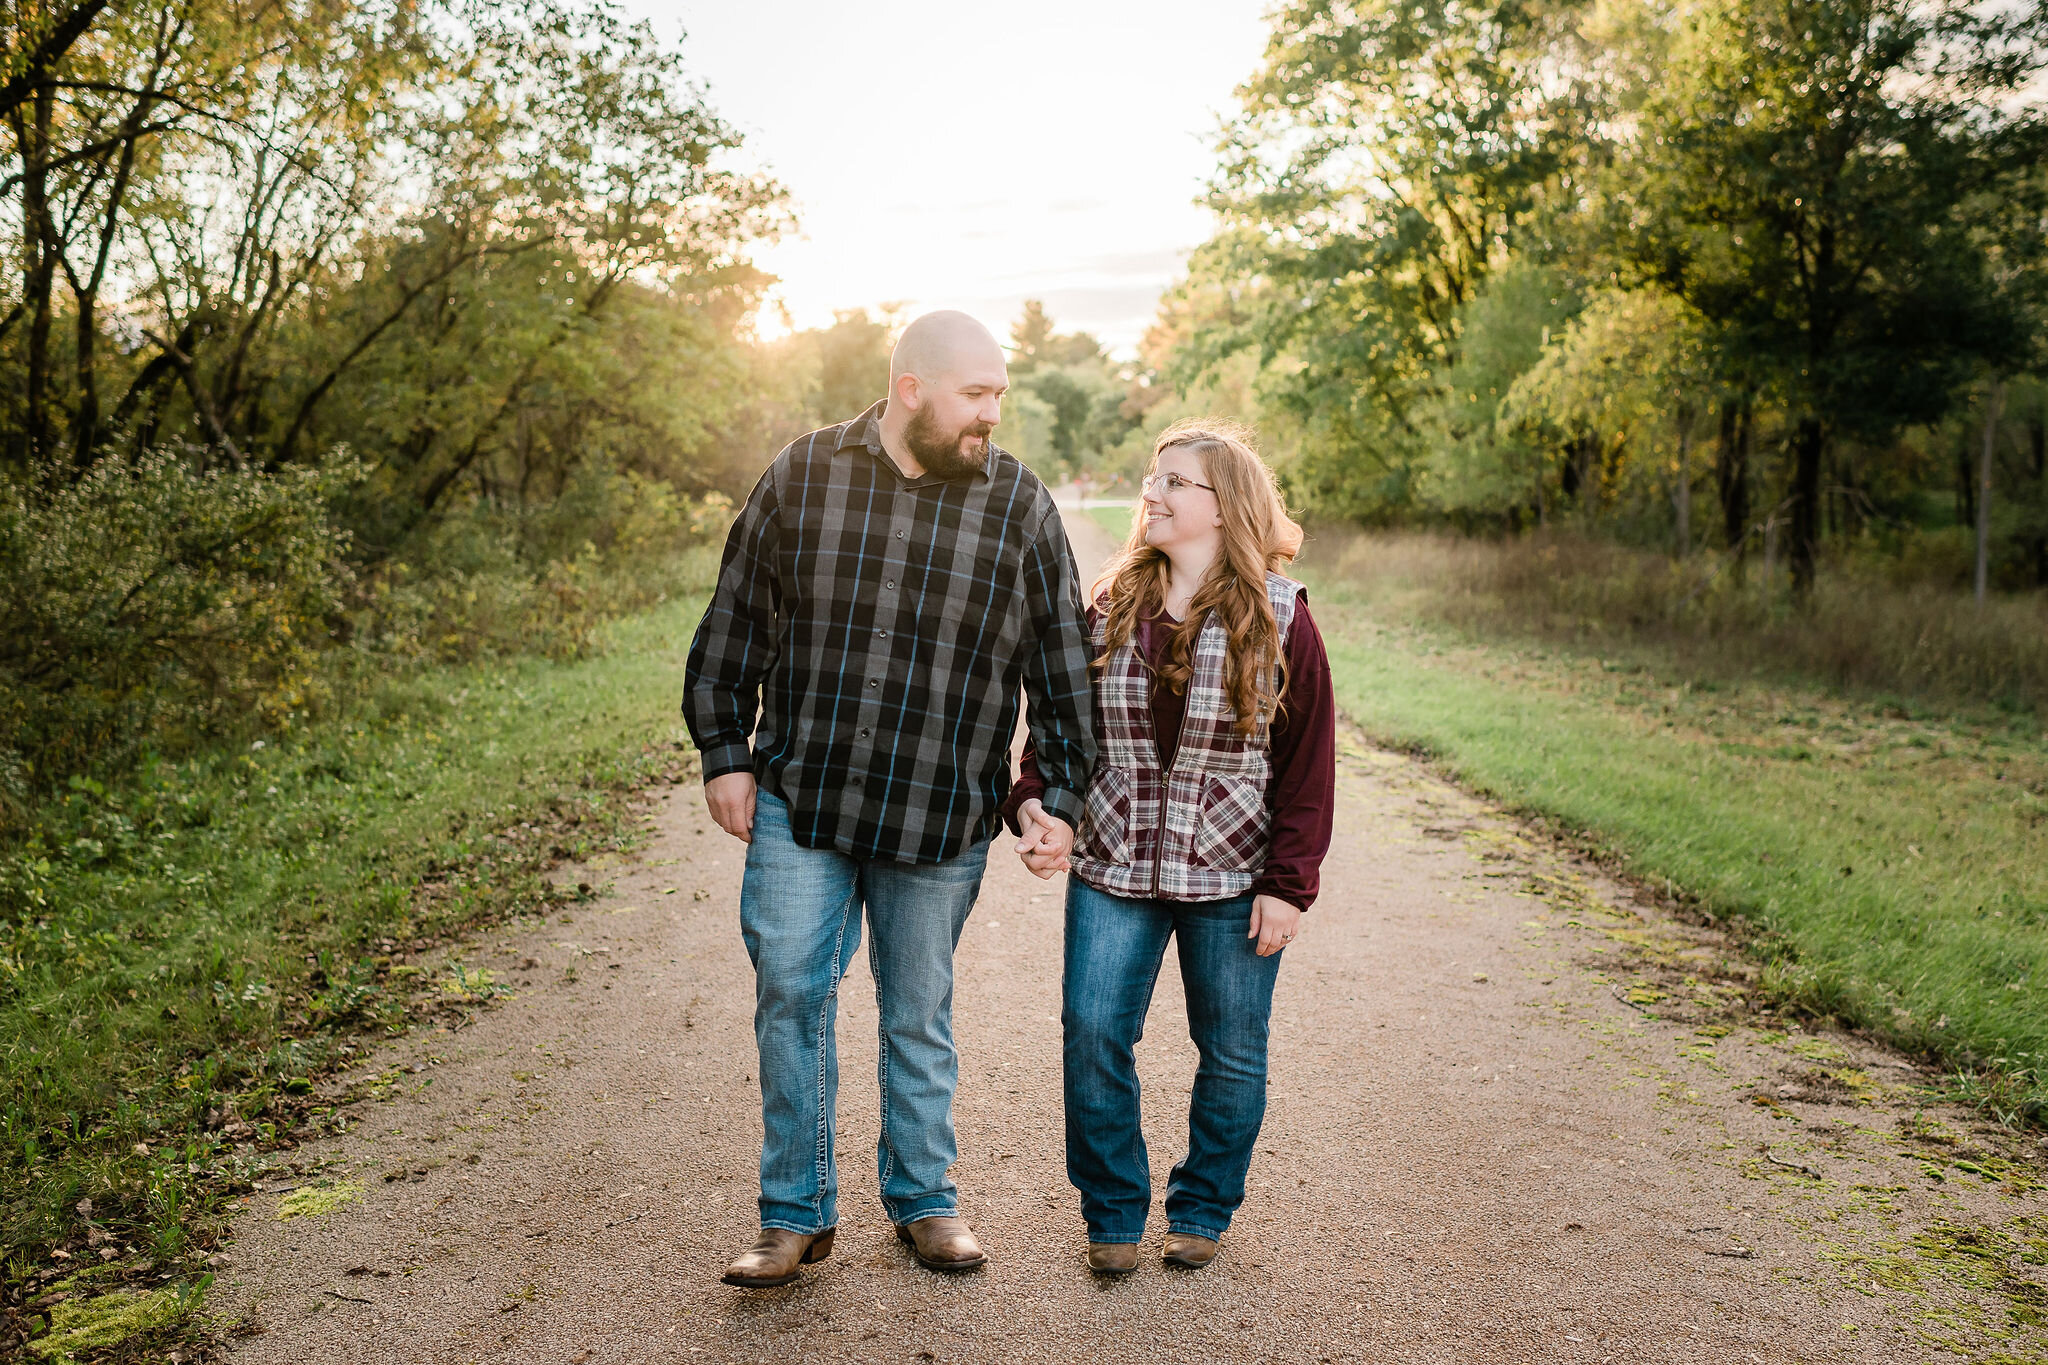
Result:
[854,780]
[874,682]
[863,732]
[890,584]
[899,535]
[881,635]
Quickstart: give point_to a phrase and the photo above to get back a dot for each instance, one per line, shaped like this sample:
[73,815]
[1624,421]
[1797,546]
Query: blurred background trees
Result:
[340,335]
[1606,264]
[416,328]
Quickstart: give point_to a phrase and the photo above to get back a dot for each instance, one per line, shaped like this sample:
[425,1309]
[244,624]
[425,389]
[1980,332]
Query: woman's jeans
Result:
[1114,948]
[800,911]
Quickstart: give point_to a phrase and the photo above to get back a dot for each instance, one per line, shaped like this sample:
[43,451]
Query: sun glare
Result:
[1055,166]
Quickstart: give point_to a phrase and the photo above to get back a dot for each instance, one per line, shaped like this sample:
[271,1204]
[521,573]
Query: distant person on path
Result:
[887,587]
[1206,821]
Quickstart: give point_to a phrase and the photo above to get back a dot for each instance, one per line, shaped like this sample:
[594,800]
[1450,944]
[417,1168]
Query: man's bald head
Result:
[947,378]
[939,346]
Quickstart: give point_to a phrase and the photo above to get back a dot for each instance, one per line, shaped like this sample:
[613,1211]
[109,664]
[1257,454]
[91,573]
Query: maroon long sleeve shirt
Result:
[1302,794]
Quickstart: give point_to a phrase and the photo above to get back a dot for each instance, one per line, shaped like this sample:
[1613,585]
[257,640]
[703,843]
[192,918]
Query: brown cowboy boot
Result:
[777,1258]
[1189,1251]
[942,1242]
[1112,1258]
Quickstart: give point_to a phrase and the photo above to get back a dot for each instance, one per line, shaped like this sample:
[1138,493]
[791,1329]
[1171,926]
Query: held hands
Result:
[731,799]
[1275,923]
[1047,839]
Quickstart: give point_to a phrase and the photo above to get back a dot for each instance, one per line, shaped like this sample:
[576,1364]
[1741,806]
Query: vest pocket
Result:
[1106,817]
[1234,828]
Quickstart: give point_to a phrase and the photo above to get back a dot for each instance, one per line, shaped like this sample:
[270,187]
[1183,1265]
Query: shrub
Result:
[491,581]
[156,602]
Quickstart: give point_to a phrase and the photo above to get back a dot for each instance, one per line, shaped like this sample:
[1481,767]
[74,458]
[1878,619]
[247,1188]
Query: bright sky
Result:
[973,156]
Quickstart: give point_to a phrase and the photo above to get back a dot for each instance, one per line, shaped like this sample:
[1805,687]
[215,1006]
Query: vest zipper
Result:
[1165,777]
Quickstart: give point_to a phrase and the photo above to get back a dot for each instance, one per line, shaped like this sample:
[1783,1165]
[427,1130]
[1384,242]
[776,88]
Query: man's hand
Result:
[731,799]
[1274,924]
[1047,839]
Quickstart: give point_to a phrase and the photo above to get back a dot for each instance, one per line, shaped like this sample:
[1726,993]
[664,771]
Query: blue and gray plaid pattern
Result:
[882,628]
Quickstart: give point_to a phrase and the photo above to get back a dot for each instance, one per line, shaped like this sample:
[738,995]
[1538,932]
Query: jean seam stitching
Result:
[882,1072]
[825,1011]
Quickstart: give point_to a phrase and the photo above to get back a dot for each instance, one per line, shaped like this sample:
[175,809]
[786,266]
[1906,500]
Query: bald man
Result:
[890,585]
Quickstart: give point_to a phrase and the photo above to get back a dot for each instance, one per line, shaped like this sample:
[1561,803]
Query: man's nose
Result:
[991,411]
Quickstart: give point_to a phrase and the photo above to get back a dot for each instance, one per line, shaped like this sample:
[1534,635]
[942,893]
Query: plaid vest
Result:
[1200,832]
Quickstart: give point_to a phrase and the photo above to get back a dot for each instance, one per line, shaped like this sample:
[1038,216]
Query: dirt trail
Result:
[1482,1145]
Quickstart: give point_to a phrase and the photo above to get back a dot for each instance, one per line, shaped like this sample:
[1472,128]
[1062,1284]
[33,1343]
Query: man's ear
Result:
[909,391]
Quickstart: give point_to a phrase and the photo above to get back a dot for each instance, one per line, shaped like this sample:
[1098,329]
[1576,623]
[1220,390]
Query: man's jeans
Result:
[1114,948]
[800,912]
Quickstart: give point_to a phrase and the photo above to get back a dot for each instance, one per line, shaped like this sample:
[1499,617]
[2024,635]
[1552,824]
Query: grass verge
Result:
[1890,865]
[1115,520]
[190,948]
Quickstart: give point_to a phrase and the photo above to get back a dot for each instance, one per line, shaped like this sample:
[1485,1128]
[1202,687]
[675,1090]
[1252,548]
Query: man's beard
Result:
[939,452]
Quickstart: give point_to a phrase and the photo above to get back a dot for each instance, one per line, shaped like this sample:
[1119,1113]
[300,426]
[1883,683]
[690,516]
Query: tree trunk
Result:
[33,140]
[1681,494]
[1771,530]
[2037,430]
[1994,403]
[1578,469]
[86,428]
[1731,474]
[1966,482]
[1809,448]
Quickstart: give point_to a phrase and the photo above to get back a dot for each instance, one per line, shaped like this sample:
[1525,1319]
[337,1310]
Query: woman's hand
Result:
[1274,924]
[1047,839]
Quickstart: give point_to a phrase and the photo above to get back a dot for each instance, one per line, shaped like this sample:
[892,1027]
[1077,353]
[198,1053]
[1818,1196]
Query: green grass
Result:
[187,949]
[1115,520]
[1894,862]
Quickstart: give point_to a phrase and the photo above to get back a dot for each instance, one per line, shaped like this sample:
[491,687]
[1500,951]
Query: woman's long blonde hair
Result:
[1258,538]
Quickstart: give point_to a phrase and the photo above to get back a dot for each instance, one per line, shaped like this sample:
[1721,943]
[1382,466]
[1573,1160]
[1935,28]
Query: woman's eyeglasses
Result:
[1171,483]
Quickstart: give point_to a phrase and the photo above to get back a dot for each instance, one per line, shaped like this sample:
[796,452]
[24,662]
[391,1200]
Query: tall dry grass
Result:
[1708,616]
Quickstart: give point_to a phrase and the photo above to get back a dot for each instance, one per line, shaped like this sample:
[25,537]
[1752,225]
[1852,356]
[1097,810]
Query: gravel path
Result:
[1483,1144]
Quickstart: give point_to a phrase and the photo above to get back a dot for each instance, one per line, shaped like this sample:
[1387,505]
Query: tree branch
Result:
[36,65]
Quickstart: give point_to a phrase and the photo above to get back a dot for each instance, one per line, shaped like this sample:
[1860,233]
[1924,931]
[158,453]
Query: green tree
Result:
[1634,375]
[1815,177]
[1034,343]
[1388,159]
[853,364]
[1479,461]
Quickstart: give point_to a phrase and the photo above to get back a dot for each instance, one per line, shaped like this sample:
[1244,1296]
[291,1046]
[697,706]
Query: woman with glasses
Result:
[1206,821]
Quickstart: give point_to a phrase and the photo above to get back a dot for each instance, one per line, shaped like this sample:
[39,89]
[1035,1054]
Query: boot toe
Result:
[777,1258]
[942,1243]
[1112,1258]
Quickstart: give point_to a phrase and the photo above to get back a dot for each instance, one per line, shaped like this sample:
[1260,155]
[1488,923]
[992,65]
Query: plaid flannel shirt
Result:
[882,626]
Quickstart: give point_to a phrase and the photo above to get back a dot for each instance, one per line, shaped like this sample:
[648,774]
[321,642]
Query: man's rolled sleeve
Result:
[1056,685]
[735,645]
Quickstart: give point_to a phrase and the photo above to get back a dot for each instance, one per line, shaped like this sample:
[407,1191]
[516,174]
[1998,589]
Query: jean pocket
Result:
[1234,828]
[1106,817]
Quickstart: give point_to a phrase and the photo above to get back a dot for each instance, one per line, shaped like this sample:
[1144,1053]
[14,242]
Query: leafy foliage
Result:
[151,599]
[494,252]
[1807,230]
